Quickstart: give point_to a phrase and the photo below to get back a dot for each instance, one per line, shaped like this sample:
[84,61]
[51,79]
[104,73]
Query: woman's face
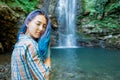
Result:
[37,26]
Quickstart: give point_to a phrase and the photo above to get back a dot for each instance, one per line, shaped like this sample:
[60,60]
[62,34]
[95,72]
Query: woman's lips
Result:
[39,33]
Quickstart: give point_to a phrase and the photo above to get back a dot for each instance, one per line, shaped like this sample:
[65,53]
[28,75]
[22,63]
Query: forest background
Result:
[97,21]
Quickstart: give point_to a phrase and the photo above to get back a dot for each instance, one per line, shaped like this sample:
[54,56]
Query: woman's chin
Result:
[36,37]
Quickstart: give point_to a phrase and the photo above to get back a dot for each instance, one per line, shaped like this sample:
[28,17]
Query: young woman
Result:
[30,59]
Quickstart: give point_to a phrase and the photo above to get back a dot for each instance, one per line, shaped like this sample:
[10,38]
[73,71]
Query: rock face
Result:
[8,28]
[9,19]
[8,14]
[100,38]
[5,72]
[97,37]
[112,42]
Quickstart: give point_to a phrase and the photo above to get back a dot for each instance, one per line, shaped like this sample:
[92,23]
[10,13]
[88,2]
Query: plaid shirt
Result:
[26,62]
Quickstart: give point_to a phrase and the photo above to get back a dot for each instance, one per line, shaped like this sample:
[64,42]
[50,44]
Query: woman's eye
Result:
[38,24]
[44,26]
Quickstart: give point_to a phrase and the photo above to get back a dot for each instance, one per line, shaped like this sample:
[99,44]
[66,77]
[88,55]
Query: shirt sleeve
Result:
[35,63]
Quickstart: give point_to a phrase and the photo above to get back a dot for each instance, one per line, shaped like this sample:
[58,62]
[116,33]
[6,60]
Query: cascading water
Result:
[66,11]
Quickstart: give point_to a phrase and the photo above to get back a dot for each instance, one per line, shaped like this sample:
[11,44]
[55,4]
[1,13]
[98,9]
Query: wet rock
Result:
[112,42]
[8,28]
[5,72]
[70,74]
[8,14]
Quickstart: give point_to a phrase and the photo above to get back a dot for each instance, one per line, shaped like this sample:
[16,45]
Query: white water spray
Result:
[66,11]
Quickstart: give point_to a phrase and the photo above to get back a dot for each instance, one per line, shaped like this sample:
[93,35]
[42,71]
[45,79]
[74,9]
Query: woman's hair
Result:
[29,17]
[43,41]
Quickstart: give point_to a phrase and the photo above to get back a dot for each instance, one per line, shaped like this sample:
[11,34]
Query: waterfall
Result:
[66,12]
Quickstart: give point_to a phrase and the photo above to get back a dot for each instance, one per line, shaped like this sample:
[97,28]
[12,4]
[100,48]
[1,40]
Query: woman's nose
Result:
[41,28]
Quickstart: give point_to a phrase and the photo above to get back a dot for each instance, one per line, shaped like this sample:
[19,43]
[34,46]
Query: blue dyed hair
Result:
[43,41]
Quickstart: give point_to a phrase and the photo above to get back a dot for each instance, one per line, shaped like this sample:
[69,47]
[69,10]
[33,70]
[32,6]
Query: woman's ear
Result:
[27,24]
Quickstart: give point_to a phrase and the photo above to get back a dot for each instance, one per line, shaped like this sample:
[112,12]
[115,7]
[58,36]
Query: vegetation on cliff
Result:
[100,19]
[11,12]
[97,18]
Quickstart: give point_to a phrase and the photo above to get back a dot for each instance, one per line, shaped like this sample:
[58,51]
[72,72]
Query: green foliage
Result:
[2,3]
[88,5]
[103,14]
[112,7]
[106,6]
[107,23]
[25,5]
[100,6]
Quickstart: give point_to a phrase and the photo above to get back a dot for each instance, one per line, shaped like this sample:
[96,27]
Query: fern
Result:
[112,7]
[24,5]
[90,5]
[27,5]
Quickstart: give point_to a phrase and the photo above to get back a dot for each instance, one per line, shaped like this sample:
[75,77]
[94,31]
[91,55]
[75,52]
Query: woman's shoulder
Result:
[26,41]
